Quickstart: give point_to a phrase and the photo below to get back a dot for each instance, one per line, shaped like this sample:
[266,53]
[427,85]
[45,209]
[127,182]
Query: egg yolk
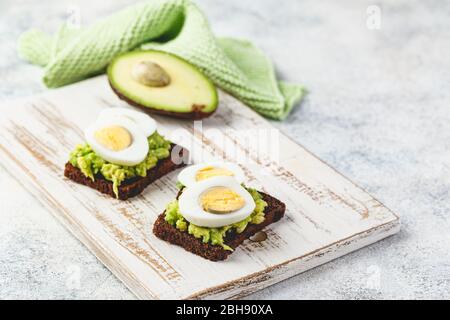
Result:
[210,171]
[221,200]
[114,138]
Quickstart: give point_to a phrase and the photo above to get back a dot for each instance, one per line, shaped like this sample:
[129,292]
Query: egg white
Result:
[130,156]
[142,120]
[187,176]
[191,208]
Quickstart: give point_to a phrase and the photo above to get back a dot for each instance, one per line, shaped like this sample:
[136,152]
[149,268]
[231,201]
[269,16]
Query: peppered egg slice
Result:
[207,170]
[117,140]
[142,120]
[215,202]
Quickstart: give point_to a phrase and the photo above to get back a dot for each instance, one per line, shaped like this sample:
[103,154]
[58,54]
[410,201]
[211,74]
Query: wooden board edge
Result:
[84,237]
[113,265]
[396,217]
[247,285]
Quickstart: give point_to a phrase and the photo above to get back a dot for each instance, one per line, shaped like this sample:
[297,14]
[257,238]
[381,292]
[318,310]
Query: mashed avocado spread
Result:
[216,236]
[85,159]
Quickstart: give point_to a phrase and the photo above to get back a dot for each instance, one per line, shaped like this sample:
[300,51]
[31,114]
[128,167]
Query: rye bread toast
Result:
[162,229]
[130,187]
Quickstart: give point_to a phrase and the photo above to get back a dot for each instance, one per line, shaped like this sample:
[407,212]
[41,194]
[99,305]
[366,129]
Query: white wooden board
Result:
[327,215]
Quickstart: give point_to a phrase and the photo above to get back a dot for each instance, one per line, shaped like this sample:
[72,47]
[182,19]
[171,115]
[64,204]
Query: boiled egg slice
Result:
[206,170]
[215,202]
[117,140]
[142,120]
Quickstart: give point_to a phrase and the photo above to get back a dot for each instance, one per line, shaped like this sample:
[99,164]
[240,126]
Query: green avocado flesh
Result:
[215,236]
[90,164]
[188,91]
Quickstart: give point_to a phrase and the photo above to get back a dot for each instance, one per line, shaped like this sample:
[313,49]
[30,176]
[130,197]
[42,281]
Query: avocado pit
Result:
[150,74]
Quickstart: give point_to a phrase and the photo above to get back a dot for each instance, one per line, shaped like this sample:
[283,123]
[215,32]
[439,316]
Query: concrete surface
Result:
[378,110]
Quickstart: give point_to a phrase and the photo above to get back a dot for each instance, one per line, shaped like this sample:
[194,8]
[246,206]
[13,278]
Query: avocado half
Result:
[188,94]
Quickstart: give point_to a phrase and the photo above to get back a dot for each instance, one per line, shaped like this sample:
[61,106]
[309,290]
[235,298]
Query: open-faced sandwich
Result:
[214,211]
[124,153]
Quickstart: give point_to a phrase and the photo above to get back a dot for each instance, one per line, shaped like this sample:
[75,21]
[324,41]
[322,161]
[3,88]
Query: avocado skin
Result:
[196,113]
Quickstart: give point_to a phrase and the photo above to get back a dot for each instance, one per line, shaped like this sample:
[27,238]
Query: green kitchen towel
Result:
[175,26]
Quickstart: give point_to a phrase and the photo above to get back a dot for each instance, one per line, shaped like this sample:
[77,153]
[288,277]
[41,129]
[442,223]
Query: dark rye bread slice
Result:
[162,229]
[130,187]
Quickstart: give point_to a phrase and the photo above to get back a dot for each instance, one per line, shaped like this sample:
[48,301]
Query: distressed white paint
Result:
[327,215]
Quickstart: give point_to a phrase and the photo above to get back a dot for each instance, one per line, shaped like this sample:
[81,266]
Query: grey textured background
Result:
[378,110]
